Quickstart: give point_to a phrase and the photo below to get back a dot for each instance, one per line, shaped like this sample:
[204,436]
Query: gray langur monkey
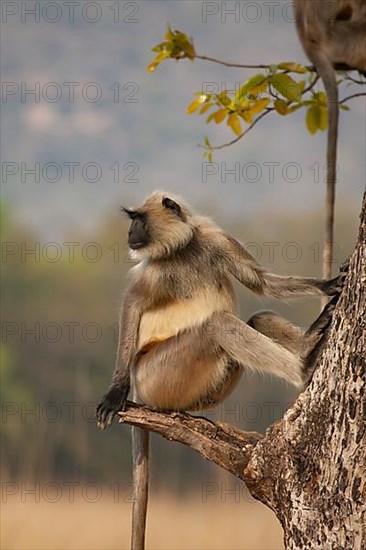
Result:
[333,35]
[181,344]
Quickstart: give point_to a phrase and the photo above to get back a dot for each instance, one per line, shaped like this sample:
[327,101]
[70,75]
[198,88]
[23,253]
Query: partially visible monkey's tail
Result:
[327,74]
[140,464]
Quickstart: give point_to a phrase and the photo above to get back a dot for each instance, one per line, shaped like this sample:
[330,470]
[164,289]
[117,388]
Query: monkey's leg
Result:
[278,329]
[315,339]
[254,350]
[185,372]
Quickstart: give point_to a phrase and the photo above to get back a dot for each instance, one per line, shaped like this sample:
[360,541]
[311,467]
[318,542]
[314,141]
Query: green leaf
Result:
[254,85]
[234,123]
[293,67]
[313,118]
[344,107]
[286,85]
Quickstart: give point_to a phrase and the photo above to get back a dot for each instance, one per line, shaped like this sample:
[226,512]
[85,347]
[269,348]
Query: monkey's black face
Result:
[159,227]
[138,235]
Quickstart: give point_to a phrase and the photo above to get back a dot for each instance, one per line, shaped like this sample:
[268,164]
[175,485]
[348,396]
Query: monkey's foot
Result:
[112,402]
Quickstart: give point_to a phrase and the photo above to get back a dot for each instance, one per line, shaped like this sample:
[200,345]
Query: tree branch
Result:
[225,445]
[310,68]
[235,65]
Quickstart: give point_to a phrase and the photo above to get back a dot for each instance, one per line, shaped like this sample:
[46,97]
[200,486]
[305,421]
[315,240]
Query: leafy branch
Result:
[283,88]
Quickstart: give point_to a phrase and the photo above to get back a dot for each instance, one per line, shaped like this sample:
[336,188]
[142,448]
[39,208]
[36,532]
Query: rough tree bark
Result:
[310,468]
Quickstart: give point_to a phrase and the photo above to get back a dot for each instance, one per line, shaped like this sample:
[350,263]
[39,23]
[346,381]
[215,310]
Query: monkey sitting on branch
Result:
[181,344]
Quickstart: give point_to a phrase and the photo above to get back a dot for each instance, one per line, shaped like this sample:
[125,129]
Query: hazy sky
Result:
[98,130]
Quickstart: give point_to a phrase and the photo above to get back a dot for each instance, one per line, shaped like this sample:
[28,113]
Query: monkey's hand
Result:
[112,402]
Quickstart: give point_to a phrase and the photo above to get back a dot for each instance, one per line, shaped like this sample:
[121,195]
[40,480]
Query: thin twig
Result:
[240,65]
[238,138]
[354,80]
[351,97]
[311,85]
[227,64]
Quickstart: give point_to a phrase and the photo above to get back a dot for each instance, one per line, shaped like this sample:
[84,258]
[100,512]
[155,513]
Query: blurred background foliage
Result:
[59,321]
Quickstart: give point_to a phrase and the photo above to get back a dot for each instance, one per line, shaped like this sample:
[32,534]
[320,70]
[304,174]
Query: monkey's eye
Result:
[130,213]
[172,205]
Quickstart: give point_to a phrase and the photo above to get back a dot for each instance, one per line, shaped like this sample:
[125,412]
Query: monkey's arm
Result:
[114,400]
[247,270]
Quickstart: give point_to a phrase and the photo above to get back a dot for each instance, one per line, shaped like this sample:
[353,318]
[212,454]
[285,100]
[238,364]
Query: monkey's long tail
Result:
[140,461]
[328,76]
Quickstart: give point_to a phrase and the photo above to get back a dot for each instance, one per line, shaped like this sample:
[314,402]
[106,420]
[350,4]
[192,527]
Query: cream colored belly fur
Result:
[163,323]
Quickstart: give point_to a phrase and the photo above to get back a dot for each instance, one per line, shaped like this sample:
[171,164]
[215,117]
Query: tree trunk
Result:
[310,468]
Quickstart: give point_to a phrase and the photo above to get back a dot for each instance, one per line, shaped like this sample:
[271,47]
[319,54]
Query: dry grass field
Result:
[105,525]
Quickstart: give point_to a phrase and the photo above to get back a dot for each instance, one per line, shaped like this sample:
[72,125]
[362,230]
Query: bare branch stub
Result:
[222,444]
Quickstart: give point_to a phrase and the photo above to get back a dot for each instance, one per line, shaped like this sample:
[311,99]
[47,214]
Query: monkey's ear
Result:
[172,205]
[130,213]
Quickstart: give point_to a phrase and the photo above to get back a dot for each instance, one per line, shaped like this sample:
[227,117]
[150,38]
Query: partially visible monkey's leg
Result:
[253,350]
[307,346]
[315,339]
[316,336]
[183,372]
[277,328]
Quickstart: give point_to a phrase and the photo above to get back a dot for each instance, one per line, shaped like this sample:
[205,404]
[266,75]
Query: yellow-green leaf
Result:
[158,59]
[287,86]
[234,123]
[259,106]
[169,34]
[298,106]
[293,67]
[205,107]
[313,119]
[196,104]
[344,107]
[220,115]
[247,116]
[281,107]
[320,97]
